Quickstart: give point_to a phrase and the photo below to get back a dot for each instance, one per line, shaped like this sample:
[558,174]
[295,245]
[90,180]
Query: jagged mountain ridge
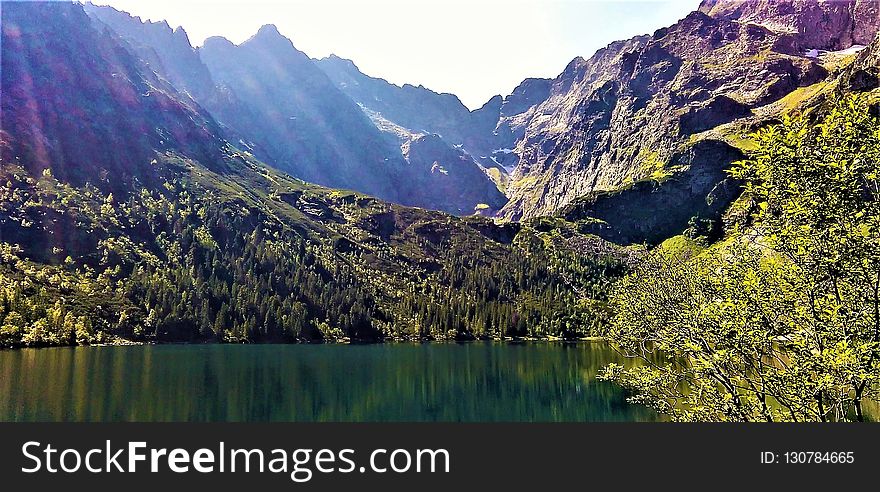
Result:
[320,149]
[54,118]
[487,133]
[435,132]
[273,100]
[167,51]
[416,108]
[308,128]
[170,55]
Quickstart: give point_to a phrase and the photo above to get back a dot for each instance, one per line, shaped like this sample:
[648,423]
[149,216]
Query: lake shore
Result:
[121,342]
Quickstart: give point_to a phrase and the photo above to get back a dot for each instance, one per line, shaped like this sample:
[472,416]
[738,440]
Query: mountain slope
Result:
[487,133]
[279,105]
[285,111]
[639,135]
[451,175]
[823,25]
[415,108]
[166,51]
[106,118]
[439,137]
[307,127]
[169,54]
[154,227]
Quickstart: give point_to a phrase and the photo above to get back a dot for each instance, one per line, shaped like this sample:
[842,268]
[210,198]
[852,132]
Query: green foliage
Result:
[256,256]
[45,305]
[654,168]
[708,230]
[781,321]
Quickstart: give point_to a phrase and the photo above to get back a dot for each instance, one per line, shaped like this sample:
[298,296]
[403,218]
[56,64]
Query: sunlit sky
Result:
[472,48]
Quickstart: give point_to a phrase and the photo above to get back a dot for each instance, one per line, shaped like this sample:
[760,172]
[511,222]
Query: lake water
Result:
[474,382]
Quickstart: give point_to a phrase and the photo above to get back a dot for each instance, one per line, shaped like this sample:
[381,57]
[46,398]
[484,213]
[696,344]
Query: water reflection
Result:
[392,382]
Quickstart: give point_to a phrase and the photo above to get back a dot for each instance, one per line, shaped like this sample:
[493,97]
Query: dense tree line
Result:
[190,262]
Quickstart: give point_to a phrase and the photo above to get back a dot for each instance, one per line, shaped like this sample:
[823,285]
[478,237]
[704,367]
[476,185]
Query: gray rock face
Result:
[448,146]
[647,211]
[77,102]
[304,124]
[527,94]
[449,174]
[418,110]
[815,24]
[863,75]
[615,125]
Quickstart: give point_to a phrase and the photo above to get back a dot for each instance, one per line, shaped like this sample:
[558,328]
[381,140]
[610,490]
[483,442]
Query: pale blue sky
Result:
[472,48]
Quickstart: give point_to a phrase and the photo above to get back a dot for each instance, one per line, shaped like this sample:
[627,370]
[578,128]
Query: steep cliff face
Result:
[621,116]
[515,113]
[416,108]
[620,125]
[569,121]
[449,174]
[432,128]
[823,24]
[77,102]
[863,74]
[528,93]
[306,126]
[165,50]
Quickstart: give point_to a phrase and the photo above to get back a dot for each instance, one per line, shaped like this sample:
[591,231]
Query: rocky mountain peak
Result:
[217,42]
[181,36]
[527,94]
[494,103]
[269,30]
[302,121]
[271,37]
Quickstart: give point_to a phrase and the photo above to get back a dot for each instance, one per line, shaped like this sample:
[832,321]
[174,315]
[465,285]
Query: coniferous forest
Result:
[281,261]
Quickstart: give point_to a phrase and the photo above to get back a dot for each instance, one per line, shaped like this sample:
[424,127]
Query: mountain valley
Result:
[156,191]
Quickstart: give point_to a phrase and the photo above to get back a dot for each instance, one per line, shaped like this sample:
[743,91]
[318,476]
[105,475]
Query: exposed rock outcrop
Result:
[815,24]
[451,175]
[614,127]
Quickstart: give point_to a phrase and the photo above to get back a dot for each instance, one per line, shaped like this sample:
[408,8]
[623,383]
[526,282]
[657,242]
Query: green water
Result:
[476,382]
